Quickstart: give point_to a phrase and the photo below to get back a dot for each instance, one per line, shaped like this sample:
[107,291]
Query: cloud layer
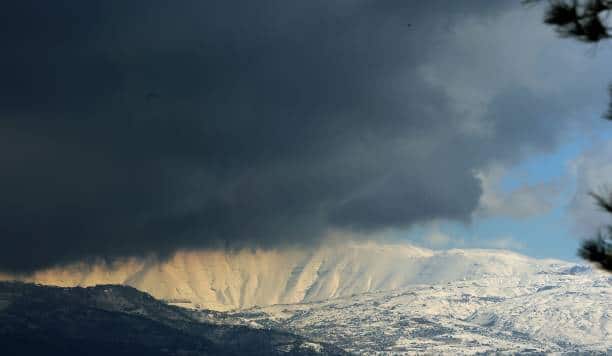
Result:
[592,171]
[523,202]
[130,129]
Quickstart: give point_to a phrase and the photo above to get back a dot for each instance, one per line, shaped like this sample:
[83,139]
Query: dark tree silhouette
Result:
[586,21]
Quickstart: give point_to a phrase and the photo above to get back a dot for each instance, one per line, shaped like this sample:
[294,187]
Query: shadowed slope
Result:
[120,320]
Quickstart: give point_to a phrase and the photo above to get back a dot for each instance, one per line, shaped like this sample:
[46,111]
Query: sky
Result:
[136,128]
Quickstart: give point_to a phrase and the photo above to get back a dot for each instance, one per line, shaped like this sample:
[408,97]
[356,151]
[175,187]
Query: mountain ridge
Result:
[219,280]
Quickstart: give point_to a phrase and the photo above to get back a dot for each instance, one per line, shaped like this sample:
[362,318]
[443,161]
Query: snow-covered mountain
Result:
[562,311]
[230,280]
[372,297]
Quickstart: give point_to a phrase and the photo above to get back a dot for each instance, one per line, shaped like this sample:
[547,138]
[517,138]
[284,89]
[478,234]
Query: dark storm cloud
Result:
[128,129]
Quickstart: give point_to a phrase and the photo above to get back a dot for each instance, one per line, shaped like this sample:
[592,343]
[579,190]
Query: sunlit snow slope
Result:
[222,281]
[562,311]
